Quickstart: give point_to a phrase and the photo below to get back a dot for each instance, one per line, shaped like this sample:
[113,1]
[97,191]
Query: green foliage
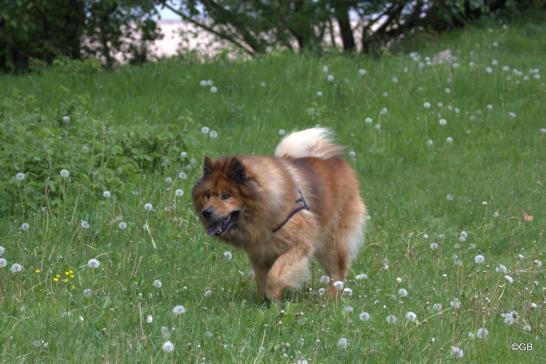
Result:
[47,29]
[97,156]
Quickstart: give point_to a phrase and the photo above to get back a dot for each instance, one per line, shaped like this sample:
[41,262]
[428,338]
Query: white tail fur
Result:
[314,142]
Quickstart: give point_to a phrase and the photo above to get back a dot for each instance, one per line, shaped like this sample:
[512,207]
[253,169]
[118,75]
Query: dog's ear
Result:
[207,167]
[237,171]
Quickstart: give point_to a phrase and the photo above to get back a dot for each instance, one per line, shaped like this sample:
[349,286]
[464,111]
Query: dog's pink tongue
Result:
[214,229]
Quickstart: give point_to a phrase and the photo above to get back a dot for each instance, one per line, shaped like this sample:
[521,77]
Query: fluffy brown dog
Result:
[304,202]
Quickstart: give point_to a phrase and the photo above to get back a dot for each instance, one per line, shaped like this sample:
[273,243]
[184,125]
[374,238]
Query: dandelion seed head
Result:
[457,352]
[228,255]
[213,89]
[149,319]
[93,263]
[433,246]
[402,292]
[87,292]
[168,347]
[179,192]
[437,307]
[16,268]
[347,292]
[205,130]
[330,78]
[122,225]
[482,333]
[25,226]
[106,194]
[479,259]
[368,120]
[509,279]
[213,134]
[361,276]
[178,310]
[148,206]
[427,105]
[64,173]
[20,176]
[391,319]
[364,316]
[338,285]
[324,279]
[455,303]
[3,262]
[157,283]
[343,343]
[182,175]
[411,316]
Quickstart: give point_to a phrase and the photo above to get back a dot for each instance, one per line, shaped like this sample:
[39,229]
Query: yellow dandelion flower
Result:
[72,286]
[38,270]
[71,276]
[55,279]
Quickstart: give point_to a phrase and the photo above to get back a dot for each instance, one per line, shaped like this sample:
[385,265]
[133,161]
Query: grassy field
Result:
[451,159]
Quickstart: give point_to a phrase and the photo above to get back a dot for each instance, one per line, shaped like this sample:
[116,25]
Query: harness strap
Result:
[301,204]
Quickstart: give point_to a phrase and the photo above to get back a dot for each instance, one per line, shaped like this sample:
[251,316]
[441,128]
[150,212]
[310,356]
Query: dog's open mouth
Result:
[219,227]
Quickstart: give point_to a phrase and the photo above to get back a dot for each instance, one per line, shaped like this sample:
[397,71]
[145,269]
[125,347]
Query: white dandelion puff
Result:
[214,89]
[479,259]
[347,292]
[205,130]
[457,352]
[449,139]
[213,134]
[402,292]
[368,120]
[482,333]
[362,72]
[364,316]
[93,263]
[437,307]
[348,309]
[20,176]
[455,303]
[343,343]
[182,175]
[324,279]
[178,310]
[122,225]
[157,283]
[427,105]
[330,78]
[168,347]
[64,173]
[16,268]
[149,319]
[509,279]
[361,276]
[106,194]
[3,262]
[87,292]
[411,316]
[338,285]
[148,206]
[25,226]
[179,192]
[391,319]
[228,255]
[433,246]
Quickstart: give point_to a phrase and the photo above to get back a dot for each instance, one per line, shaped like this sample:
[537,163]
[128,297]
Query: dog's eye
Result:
[225,196]
[207,194]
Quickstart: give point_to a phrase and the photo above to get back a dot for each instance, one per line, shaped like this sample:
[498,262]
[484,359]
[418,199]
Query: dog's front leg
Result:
[260,274]
[290,270]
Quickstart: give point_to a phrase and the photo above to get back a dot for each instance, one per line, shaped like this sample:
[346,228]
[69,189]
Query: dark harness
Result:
[301,204]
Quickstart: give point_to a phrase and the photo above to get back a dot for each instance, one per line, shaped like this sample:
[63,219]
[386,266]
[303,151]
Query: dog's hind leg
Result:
[341,247]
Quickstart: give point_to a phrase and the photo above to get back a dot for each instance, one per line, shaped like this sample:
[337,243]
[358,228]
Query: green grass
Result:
[494,169]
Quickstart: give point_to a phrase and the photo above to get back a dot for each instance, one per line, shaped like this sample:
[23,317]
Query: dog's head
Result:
[219,196]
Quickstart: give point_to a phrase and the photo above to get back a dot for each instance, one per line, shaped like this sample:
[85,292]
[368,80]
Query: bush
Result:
[97,156]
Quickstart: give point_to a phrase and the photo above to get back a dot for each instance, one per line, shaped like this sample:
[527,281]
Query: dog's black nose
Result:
[207,213]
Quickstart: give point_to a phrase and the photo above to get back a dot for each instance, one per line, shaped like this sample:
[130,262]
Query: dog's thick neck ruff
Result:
[301,204]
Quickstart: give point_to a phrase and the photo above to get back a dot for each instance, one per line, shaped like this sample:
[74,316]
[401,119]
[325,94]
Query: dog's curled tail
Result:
[314,142]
